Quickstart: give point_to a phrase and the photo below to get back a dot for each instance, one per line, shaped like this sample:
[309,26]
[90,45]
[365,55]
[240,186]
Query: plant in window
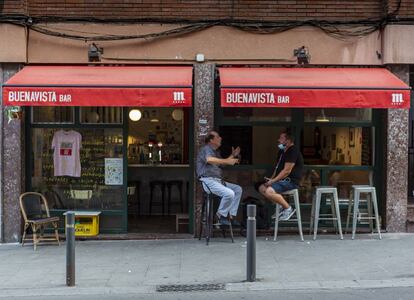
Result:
[13,112]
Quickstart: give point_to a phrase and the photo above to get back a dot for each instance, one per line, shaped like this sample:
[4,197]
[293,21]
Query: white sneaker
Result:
[287,214]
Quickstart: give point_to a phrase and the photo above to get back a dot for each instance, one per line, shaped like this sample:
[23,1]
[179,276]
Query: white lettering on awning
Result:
[37,96]
[253,98]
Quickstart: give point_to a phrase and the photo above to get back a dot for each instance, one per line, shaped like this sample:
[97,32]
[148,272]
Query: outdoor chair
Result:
[36,215]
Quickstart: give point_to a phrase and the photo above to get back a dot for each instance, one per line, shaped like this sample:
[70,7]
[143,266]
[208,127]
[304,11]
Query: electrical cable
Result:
[342,30]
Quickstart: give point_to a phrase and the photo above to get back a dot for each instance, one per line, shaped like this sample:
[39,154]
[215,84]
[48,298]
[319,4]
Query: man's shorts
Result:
[284,185]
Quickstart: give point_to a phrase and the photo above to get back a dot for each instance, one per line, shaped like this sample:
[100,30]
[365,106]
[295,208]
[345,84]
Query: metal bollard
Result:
[251,242]
[70,249]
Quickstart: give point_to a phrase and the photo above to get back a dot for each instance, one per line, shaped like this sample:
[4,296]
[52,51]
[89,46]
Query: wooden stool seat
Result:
[181,219]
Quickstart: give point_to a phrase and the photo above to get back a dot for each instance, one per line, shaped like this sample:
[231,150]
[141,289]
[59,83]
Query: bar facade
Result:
[343,144]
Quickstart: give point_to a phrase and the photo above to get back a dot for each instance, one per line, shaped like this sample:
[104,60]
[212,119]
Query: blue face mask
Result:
[282,146]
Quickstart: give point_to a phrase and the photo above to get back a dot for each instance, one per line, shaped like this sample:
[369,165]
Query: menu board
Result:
[113,171]
[366,146]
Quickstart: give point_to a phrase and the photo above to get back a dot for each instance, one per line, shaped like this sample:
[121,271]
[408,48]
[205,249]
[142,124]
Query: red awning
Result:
[100,86]
[312,87]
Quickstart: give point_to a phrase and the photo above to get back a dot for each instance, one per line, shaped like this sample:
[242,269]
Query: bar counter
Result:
[157,166]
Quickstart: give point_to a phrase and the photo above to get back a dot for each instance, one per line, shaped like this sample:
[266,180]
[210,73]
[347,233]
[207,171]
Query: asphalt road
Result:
[342,294]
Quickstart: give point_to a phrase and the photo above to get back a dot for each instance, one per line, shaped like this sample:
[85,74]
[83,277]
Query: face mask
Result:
[281,146]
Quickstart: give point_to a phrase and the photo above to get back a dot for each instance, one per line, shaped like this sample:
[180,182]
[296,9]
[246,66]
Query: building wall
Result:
[11,175]
[201,9]
[397,161]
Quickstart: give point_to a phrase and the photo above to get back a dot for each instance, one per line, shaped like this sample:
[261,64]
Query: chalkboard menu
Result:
[366,155]
[88,191]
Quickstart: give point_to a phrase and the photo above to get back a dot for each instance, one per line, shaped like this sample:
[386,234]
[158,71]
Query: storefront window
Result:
[326,115]
[258,114]
[52,114]
[99,186]
[158,136]
[337,145]
[101,115]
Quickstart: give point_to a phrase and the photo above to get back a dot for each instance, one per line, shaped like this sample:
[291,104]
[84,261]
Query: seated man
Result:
[285,177]
[209,162]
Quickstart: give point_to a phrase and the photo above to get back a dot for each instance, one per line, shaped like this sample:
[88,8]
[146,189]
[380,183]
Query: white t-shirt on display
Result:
[66,155]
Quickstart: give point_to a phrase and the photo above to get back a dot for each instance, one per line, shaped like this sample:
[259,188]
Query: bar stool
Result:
[153,185]
[316,206]
[133,194]
[206,220]
[295,194]
[179,185]
[371,203]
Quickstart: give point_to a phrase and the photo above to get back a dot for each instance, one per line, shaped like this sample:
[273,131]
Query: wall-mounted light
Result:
[200,57]
[302,54]
[135,115]
[177,114]
[94,53]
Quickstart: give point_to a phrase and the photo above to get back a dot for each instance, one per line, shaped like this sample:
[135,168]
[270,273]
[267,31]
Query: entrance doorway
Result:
[159,171]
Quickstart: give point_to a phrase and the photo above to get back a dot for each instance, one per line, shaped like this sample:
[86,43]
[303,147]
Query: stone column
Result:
[397,161]
[11,168]
[203,122]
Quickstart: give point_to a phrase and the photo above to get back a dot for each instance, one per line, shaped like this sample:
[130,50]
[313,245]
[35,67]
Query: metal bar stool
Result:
[371,203]
[295,194]
[179,185]
[316,206]
[206,220]
[134,197]
[153,185]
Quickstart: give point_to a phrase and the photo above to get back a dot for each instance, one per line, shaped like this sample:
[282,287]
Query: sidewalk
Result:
[121,267]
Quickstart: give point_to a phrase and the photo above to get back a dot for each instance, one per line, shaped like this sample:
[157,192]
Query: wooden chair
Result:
[36,215]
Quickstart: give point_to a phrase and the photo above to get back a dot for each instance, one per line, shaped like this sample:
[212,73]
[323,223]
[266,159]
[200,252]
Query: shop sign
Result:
[302,98]
[94,96]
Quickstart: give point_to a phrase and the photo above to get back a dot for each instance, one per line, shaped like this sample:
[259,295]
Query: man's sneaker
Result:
[221,221]
[280,213]
[235,223]
[224,221]
[287,214]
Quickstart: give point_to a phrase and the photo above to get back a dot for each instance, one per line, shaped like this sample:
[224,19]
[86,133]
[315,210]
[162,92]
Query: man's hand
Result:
[232,161]
[268,182]
[235,151]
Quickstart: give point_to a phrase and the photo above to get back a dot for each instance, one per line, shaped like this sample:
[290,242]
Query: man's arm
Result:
[222,161]
[283,174]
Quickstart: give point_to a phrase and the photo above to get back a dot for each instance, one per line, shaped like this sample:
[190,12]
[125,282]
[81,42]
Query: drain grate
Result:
[190,287]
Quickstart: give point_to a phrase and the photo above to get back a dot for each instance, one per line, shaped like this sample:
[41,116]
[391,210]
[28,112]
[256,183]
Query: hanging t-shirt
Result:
[66,155]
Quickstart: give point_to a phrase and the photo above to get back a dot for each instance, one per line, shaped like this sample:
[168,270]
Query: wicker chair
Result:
[36,215]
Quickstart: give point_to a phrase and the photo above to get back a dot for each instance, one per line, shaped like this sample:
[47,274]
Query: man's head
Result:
[286,139]
[214,139]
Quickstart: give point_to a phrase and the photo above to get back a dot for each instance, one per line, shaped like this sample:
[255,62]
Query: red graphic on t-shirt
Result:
[66,152]
[66,149]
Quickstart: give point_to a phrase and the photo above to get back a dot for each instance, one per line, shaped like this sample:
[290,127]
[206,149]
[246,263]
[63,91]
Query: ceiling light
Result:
[322,117]
[177,114]
[135,115]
